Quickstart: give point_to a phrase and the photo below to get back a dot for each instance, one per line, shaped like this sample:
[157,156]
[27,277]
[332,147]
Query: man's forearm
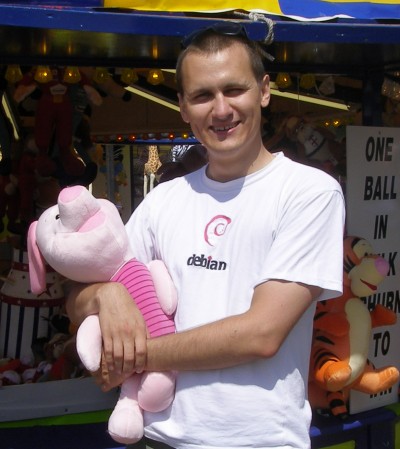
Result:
[216,345]
[81,301]
[255,334]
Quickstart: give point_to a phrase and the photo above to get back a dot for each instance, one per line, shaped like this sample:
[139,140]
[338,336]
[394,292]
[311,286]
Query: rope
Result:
[258,17]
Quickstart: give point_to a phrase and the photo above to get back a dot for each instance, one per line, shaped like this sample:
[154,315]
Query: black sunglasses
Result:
[223,28]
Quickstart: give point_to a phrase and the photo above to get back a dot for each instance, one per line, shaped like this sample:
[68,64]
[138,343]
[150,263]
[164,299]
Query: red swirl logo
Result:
[216,228]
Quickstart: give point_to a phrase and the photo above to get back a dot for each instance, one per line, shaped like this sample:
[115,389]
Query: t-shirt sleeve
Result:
[308,242]
[139,232]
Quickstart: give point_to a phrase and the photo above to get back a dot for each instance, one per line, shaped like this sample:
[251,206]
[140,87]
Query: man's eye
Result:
[201,97]
[234,91]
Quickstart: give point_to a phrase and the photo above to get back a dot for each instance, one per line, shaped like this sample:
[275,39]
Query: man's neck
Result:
[223,171]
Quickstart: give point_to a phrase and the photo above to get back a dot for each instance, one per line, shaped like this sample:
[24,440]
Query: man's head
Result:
[223,86]
[216,38]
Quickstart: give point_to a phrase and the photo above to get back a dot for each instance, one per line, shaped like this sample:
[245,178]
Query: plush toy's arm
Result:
[89,343]
[93,95]
[165,289]
[382,316]
[22,91]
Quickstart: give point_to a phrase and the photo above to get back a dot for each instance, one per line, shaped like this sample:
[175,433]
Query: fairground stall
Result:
[335,84]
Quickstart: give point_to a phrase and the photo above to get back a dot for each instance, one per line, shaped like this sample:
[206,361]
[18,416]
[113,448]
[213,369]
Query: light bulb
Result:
[72,75]
[43,74]
[155,77]
[101,75]
[129,76]
[13,73]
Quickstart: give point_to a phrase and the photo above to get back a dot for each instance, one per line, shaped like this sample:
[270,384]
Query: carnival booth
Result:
[89,100]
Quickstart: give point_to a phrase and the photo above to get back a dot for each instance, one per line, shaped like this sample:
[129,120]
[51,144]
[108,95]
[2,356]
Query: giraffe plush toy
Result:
[150,169]
[84,239]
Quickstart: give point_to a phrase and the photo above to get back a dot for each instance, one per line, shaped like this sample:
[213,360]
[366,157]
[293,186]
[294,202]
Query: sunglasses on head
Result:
[223,28]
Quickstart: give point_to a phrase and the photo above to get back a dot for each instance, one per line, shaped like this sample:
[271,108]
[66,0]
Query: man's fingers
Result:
[140,354]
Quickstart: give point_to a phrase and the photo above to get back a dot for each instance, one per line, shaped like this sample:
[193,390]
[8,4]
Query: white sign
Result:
[373,213]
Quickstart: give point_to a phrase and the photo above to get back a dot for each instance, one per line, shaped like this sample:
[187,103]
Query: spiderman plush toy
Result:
[54,115]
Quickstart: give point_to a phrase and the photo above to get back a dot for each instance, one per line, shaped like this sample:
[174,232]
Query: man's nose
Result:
[222,107]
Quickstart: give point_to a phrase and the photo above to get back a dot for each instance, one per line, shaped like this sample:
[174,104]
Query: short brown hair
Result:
[209,42]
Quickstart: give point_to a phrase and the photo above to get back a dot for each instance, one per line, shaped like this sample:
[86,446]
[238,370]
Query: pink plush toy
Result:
[84,239]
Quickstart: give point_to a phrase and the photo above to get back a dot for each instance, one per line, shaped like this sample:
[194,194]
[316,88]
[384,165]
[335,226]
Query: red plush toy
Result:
[54,115]
[342,334]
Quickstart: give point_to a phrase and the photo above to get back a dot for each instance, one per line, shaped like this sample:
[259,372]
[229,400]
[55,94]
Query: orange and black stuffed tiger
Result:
[342,334]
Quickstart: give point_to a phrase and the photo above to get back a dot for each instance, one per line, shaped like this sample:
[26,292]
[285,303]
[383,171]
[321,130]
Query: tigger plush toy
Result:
[342,334]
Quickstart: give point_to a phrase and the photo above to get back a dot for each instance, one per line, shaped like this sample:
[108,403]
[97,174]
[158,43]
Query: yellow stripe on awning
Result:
[270,6]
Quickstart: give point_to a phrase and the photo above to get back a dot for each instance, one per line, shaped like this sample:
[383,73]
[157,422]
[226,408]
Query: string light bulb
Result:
[283,80]
[43,74]
[155,77]
[72,75]
[13,73]
[307,81]
[101,75]
[129,76]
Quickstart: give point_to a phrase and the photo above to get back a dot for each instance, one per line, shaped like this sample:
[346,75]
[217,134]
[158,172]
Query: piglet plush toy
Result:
[84,239]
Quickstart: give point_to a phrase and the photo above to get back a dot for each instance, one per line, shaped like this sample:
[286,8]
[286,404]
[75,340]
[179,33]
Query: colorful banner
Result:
[304,10]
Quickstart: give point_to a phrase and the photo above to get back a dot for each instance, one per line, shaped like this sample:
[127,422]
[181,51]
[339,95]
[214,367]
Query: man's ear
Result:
[265,91]
[182,108]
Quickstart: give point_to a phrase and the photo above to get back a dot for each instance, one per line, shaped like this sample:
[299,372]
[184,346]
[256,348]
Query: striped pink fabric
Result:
[136,277]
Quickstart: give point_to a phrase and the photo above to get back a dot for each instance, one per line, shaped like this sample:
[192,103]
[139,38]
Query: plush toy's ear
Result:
[37,264]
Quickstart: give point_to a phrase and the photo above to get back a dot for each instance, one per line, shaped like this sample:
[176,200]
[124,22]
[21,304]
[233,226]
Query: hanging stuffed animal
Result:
[342,334]
[71,238]
[315,146]
[151,166]
[54,114]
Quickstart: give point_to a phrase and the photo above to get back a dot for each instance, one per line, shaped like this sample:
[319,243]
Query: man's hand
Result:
[123,330]
[108,380]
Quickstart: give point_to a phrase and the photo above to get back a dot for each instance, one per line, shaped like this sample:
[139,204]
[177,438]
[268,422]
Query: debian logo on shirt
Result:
[216,228]
[206,262]
[213,233]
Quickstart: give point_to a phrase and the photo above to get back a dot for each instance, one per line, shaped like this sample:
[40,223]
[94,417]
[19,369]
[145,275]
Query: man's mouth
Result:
[225,128]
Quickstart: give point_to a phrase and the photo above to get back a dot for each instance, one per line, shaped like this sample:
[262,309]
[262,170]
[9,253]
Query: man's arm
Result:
[122,325]
[258,333]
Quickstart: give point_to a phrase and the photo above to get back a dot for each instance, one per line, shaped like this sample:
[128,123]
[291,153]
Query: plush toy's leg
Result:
[373,381]
[152,178]
[337,404]
[145,181]
[156,391]
[332,375]
[327,403]
[70,162]
[126,421]
[43,131]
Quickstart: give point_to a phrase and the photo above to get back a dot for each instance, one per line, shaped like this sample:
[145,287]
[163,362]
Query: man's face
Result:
[222,101]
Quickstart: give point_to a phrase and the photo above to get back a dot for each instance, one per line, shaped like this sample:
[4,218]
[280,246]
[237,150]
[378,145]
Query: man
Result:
[251,241]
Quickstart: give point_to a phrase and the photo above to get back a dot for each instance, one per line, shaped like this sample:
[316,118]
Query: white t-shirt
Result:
[219,241]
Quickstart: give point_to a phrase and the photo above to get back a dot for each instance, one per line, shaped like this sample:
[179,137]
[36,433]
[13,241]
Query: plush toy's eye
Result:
[57,216]
[362,248]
